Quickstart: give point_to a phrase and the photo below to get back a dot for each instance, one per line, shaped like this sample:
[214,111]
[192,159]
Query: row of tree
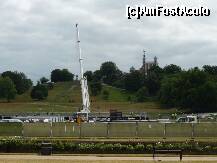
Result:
[12,83]
[40,91]
[194,89]
[132,81]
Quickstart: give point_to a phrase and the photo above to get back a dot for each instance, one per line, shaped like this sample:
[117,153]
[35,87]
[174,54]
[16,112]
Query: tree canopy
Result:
[89,75]
[20,80]
[172,69]
[7,88]
[44,80]
[39,92]
[58,75]
[133,81]
[141,94]
[109,72]
[95,88]
[210,69]
[193,89]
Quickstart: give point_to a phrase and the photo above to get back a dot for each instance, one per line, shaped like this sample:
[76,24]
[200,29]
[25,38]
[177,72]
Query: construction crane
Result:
[85,109]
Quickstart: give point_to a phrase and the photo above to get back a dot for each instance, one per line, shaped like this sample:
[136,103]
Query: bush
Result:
[50,85]
[149,147]
[141,94]
[95,88]
[39,92]
[139,147]
[30,146]
[105,95]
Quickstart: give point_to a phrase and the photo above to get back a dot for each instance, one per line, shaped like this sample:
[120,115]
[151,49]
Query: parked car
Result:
[11,120]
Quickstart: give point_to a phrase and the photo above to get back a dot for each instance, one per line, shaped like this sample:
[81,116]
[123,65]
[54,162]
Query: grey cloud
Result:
[37,36]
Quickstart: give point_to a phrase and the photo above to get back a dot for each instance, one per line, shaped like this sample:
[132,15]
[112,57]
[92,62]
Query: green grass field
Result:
[22,107]
[66,97]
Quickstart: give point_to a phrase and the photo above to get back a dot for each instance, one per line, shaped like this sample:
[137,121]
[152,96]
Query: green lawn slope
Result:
[66,97]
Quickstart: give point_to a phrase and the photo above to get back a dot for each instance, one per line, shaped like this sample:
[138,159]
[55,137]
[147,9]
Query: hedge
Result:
[33,146]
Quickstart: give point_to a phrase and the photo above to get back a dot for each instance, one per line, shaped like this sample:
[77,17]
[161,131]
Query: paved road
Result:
[89,158]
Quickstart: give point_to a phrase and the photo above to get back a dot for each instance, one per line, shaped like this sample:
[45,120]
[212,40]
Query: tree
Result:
[20,80]
[66,75]
[39,92]
[193,89]
[95,88]
[169,91]
[172,69]
[206,98]
[58,75]
[97,76]
[133,81]
[155,69]
[210,69]
[7,89]
[109,72]
[105,95]
[141,94]
[44,80]
[119,83]
[89,75]
[153,80]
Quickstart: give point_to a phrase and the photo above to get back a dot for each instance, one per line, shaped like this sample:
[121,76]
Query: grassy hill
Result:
[66,97]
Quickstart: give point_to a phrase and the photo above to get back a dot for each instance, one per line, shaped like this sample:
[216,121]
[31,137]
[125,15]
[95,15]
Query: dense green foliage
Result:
[153,80]
[95,88]
[20,80]
[7,88]
[109,72]
[44,80]
[89,75]
[212,70]
[133,81]
[194,89]
[105,94]
[172,69]
[58,75]
[141,94]
[39,92]
[29,146]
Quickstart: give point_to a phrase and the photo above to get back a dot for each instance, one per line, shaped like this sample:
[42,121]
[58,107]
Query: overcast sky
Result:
[37,36]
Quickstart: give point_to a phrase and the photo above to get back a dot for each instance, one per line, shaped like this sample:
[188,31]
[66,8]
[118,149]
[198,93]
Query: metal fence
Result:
[109,130]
